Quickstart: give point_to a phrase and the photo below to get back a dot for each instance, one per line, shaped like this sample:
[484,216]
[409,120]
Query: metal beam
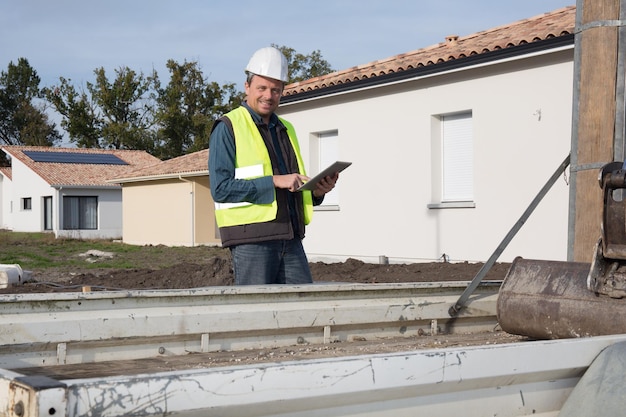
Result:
[70,328]
[519,379]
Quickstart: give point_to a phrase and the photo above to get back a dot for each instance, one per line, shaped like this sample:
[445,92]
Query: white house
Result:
[64,190]
[449,145]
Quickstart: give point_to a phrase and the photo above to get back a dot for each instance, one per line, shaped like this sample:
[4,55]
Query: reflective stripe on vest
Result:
[252,161]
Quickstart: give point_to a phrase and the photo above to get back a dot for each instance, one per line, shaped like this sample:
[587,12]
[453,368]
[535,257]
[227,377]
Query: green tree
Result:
[302,67]
[116,114]
[187,108]
[126,108]
[23,118]
[80,119]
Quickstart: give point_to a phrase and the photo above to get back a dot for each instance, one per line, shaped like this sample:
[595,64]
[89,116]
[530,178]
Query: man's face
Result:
[263,95]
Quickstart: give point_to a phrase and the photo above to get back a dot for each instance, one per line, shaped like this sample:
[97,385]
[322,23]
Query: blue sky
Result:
[71,38]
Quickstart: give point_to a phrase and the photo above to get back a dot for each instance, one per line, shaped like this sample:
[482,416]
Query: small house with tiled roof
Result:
[65,190]
[178,195]
[449,145]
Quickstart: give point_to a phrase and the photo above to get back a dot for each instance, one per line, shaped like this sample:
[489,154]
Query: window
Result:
[80,213]
[457,158]
[47,213]
[327,153]
[27,203]
[452,161]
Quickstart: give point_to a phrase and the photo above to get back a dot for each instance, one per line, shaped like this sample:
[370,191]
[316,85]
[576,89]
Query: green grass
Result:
[43,250]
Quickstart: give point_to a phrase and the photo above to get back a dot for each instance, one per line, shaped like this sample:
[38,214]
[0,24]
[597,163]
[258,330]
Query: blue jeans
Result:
[273,262]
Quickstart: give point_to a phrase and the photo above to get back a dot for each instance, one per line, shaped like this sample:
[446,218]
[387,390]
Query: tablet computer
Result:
[338,166]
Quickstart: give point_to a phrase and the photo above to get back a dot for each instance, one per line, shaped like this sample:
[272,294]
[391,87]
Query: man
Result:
[255,169]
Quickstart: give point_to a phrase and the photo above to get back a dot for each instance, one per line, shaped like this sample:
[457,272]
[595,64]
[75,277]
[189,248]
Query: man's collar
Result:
[257,118]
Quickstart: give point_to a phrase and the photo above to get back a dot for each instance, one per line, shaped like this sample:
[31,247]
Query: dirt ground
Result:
[216,270]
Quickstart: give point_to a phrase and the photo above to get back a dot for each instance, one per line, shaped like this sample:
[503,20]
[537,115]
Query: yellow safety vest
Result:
[252,160]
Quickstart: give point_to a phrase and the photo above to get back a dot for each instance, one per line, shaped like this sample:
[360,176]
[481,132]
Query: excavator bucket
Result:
[550,300]
[553,300]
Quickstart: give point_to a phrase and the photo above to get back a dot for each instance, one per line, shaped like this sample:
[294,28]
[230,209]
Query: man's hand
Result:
[289,181]
[325,185]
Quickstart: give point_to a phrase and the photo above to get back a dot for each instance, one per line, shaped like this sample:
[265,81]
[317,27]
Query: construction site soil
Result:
[216,270]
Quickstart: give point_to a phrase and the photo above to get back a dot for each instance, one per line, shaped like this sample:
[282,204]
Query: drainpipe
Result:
[193,217]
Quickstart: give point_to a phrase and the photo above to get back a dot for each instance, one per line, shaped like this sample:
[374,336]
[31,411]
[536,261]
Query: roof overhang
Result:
[488,58]
[160,177]
[85,187]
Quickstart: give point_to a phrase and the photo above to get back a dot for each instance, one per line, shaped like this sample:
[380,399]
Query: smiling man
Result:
[255,169]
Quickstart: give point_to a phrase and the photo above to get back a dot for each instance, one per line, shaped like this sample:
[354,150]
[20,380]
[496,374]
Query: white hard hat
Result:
[269,62]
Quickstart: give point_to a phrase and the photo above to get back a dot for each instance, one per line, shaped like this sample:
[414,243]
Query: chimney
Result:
[451,40]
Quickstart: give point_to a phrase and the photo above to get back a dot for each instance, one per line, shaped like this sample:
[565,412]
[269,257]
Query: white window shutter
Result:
[329,153]
[458,158]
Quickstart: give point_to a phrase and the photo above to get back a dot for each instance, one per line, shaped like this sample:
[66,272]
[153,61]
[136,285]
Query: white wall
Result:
[27,184]
[6,191]
[521,125]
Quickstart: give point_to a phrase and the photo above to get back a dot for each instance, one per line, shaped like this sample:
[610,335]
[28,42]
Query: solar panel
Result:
[75,158]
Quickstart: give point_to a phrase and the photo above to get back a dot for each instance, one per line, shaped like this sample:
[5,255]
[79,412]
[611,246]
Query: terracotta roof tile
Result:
[548,25]
[74,174]
[6,171]
[191,164]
